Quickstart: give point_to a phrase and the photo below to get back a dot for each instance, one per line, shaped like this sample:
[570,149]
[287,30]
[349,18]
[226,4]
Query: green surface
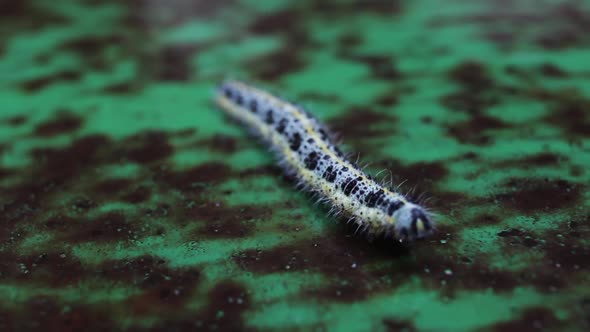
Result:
[129,201]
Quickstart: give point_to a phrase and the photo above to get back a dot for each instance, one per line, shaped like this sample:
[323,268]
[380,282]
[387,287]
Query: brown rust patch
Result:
[161,210]
[137,195]
[329,257]
[228,301]
[220,143]
[426,119]
[65,122]
[443,200]
[15,121]
[467,101]
[450,274]
[184,133]
[573,23]
[47,314]
[107,227]
[539,195]
[219,221]
[387,100]
[552,70]
[230,298]
[540,160]
[583,311]
[551,26]
[265,170]
[471,75]
[289,24]
[576,171]
[60,222]
[561,39]
[342,9]
[80,204]
[50,268]
[147,15]
[146,147]
[92,45]
[387,8]
[5,172]
[565,246]
[572,259]
[396,325]
[478,90]
[37,84]
[276,64]
[475,130]
[273,66]
[91,49]
[564,250]
[173,62]
[515,236]
[347,291]
[530,319]
[122,88]
[332,256]
[74,167]
[320,97]
[163,289]
[380,67]
[572,117]
[348,41]
[545,159]
[37,17]
[194,179]
[277,22]
[112,189]
[486,219]
[361,122]
[64,163]
[421,175]
[112,186]
[52,170]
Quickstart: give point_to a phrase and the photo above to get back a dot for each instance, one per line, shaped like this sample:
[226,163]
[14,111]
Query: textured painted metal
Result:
[128,201]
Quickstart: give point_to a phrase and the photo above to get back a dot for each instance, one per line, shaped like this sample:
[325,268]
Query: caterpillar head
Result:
[413,223]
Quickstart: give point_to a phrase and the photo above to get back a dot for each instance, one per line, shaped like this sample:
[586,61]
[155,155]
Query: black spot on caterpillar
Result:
[295,142]
[306,149]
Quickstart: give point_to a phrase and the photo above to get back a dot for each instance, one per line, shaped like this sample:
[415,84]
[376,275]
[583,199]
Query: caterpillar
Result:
[307,150]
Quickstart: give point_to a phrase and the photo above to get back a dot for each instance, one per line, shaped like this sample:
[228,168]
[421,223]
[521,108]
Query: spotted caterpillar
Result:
[306,150]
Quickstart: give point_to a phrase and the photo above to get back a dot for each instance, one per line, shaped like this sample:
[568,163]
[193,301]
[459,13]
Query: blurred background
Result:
[128,201]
